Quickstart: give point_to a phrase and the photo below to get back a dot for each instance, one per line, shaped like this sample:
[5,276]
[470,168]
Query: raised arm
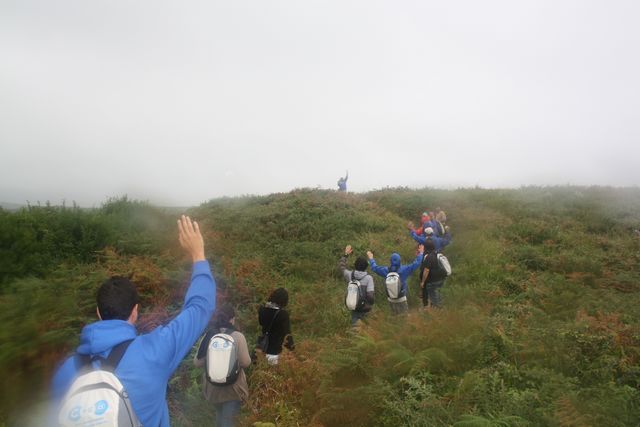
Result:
[172,342]
[342,263]
[419,239]
[410,268]
[378,269]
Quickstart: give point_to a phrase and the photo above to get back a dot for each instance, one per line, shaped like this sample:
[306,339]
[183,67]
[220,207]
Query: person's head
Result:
[361,264]
[279,297]
[441,216]
[395,260]
[118,299]
[429,245]
[425,217]
[428,231]
[224,316]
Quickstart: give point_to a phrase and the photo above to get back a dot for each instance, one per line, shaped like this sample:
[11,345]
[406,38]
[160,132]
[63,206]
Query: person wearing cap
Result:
[429,234]
[398,305]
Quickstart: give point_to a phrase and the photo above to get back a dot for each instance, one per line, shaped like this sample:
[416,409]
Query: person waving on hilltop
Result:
[342,183]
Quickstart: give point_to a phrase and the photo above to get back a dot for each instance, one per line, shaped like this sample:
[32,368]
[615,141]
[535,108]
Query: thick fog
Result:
[180,102]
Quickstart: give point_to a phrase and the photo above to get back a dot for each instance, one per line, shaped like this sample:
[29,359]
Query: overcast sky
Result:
[180,102]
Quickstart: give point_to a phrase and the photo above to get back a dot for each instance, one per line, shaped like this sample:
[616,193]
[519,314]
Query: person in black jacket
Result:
[274,320]
[432,277]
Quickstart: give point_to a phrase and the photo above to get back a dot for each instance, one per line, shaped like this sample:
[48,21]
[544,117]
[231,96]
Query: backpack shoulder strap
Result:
[115,356]
[227,330]
[204,344]
[272,320]
[82,362]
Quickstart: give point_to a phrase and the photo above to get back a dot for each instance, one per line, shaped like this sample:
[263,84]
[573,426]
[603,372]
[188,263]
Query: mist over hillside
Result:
[540,325]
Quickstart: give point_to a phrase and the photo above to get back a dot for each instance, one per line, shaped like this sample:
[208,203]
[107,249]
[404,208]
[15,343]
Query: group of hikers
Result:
[432,236]
[119,378]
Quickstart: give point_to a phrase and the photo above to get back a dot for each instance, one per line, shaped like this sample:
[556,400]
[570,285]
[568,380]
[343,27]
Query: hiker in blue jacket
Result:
[398,305]
[429,234]
[342,182]
[150,359]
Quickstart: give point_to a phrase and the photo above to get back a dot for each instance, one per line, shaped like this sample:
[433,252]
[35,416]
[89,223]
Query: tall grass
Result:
[540,325]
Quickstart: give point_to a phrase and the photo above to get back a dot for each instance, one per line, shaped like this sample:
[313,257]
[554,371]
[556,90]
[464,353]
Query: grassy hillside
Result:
[540,326]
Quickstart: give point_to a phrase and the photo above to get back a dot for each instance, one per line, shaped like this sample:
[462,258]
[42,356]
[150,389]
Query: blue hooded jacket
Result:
[151,358]
[404,271]
[439,242]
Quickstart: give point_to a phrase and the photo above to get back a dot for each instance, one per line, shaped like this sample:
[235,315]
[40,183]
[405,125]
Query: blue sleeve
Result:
[60,384]
[445,240]
[172,342]
[417,238]
[62,380]
[379,270]
[410,268]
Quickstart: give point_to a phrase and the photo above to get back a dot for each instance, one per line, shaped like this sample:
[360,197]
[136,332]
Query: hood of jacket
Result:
[395,262]
[359,274]
[99,337]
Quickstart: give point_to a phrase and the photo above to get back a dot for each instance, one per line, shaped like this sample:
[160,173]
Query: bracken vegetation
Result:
[541,325]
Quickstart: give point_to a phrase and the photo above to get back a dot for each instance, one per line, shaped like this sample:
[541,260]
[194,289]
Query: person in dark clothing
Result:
[432,276]
[274,319]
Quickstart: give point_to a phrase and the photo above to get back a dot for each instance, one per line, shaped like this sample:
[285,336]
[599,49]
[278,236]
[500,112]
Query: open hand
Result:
[190,238]
[370,254]
[348,250]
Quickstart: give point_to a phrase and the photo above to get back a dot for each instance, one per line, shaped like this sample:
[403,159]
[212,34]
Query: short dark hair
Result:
[224,314]
[280,296]
[116,298]
[429,245]
[361,264]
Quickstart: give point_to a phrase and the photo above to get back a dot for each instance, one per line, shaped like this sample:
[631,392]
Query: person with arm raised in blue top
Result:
[439,242]
[398,305]
[150,359]
[342,183]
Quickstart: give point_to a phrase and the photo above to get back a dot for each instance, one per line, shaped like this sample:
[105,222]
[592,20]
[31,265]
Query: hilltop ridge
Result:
[540,324]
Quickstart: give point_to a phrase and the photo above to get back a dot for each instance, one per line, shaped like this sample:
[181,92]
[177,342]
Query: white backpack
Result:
[355,298]
[393,285]
[97,397]
[443,262]
[222,363]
